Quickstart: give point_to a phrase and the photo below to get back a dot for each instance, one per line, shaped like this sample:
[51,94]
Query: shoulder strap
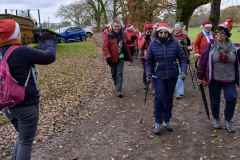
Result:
[9,52]
[33,71]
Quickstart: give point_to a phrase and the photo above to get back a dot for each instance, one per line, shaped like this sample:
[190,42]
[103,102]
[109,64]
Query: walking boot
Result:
[216,124]
[120,94]
[157,129]
[167,126]
[229,127]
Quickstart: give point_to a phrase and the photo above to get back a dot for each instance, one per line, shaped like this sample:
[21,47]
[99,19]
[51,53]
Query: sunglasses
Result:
[163,32]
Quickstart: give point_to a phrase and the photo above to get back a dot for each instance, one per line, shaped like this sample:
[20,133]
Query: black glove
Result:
[109,61]
[149,79]
[43,36]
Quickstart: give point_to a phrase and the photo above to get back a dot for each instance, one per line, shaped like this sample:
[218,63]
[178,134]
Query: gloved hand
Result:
[149,79]
[182,76]
[109,61]
[43,36]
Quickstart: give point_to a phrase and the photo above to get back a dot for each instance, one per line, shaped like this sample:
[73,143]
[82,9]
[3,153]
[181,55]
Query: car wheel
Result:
[89,34]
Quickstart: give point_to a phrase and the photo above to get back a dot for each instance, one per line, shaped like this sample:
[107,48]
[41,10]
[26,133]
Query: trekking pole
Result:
[204,98]
[146,93]
[203,95]
[192,74]
[191,71]
[145,102]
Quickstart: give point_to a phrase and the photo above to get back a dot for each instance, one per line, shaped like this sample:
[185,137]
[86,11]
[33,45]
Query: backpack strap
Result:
[28,77]
[9,52]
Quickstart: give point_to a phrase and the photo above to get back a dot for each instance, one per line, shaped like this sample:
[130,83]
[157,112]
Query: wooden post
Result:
[28,12]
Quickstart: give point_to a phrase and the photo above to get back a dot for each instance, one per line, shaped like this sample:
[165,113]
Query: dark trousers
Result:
[24,120]
[117,75]
[230,95]
[164,91]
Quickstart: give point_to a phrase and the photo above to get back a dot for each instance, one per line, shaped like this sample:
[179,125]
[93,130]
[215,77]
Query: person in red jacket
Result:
[130,37]
[204,39]
[143,45]
[114,51]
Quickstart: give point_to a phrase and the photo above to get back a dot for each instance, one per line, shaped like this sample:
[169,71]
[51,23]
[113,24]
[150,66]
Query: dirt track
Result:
[114,131]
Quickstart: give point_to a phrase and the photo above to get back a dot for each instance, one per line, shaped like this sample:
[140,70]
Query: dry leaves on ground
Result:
[67,86]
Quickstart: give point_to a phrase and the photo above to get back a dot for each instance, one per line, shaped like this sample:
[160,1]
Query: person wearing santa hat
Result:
[24,116]
[219,70]
[162,68]
[130,38]
[204,39]
[146,39]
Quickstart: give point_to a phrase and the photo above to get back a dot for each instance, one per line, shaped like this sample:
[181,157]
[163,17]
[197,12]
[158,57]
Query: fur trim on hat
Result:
[164,26]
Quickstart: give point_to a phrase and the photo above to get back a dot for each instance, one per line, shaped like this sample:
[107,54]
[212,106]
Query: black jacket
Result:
[23,59]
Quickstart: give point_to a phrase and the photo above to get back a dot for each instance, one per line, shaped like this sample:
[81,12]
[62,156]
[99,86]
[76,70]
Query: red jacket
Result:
[111,48]
[201,44]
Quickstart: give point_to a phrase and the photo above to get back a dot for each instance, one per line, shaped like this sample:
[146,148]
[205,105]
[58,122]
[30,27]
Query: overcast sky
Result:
[48,8]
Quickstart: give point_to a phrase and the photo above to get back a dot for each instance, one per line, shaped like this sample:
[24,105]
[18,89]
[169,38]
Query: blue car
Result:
[74,34]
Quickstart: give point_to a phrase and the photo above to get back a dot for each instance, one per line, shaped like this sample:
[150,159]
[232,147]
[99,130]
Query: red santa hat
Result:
[148,26]
[131,28]
[164,26]
[206,24]
[229,19]
[9,32]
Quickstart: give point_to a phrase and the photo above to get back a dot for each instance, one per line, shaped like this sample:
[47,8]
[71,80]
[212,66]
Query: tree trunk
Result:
[184,13]
[115,14]
[186,8]
[103,10]
[215,12]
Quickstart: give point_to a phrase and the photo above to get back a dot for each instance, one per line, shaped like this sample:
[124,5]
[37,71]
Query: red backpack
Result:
[11,93]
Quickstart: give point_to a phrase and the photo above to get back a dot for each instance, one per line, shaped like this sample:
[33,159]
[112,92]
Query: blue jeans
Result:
[230,95]
[117,75]
[24,120]
[164,91]
[180,85]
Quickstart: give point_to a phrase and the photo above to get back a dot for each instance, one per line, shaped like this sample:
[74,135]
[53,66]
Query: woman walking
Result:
[163,53]
[218,68]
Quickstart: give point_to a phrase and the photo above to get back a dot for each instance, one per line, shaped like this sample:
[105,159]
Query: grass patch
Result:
[87,48]
[192,32]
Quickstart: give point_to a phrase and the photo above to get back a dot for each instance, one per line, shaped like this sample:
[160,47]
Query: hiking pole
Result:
[204,98]
[192,75]
[203,95]
[146,93]
[145,101]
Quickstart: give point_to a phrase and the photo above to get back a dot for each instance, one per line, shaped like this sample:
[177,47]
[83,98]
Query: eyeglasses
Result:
[163,32]
[221,33]
[116,26]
